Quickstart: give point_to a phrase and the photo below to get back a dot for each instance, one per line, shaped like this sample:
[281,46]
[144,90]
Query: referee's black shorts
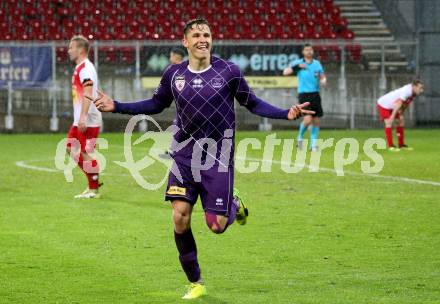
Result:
[315,102]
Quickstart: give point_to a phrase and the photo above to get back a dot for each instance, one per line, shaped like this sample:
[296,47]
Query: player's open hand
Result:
[297,111]
[103,102]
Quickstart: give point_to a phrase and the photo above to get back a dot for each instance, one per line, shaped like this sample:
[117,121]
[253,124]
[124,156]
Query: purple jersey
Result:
[205,108]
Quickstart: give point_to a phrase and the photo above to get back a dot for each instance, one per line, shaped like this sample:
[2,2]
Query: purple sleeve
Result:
[265,109]
[147,106]
[246,97]
[162,98]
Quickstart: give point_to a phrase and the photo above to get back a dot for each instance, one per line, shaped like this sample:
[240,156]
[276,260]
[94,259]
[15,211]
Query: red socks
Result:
[389,136]
[91,171]
[400,136]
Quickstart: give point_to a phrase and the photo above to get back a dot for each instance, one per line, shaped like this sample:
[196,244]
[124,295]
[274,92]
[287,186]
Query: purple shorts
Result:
[215,188]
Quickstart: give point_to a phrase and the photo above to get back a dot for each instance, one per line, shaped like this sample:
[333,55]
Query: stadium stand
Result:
[163,20]
[368,24]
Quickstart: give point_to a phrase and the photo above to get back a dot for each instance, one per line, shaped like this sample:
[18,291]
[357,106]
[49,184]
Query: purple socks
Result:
[186,245]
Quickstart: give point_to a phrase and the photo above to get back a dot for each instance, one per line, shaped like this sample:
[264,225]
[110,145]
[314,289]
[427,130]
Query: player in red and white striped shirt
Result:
[391,107]
[87,119]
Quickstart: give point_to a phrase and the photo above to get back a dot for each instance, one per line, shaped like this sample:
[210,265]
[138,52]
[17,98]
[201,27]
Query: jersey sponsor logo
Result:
[180,83]
[197,83]
[175,190]
[217,82]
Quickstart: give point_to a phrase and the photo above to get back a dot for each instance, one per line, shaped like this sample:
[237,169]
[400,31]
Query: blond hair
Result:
[81,42]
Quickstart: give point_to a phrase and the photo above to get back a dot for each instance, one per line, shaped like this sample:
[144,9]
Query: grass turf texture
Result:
[311,237]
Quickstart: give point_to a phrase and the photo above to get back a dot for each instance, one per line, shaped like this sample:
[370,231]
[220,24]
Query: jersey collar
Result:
[198,72]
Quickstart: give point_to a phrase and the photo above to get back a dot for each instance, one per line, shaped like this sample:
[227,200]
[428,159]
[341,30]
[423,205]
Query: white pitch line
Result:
[396,178]
[22,164]
[323,169]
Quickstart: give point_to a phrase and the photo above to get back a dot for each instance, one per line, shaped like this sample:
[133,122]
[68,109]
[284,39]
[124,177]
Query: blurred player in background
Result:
[87,119]
[176,55]
[310,77]
[204,89]
[391,107]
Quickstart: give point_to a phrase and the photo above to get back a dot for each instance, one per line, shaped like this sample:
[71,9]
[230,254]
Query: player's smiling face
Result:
[198,41]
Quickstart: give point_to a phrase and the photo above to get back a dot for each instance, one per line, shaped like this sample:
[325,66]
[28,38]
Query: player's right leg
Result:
[75,135]
[316,123]
[183,193]
[186,245]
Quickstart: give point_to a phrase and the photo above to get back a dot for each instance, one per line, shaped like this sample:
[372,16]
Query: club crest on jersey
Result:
[217,82]
[197,83]
[180,82]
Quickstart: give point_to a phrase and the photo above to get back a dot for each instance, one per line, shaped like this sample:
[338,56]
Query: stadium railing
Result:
[129,70]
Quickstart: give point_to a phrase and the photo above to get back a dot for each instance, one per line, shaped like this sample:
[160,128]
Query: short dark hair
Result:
[197,21]
[416,81]
[307,45]
[81,42]
[178,51]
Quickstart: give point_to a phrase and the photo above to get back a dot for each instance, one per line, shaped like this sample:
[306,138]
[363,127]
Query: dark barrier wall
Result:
[253,60]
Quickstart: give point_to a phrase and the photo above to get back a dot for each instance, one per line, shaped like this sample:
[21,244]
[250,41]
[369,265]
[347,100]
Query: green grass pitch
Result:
[310,238]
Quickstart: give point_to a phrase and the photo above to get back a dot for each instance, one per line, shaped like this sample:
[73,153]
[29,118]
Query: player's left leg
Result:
[304,125]
[218,222]
[316,122]
[400,131]
[220,200]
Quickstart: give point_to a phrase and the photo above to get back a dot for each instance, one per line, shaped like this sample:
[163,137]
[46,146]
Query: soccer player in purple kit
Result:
[204,88]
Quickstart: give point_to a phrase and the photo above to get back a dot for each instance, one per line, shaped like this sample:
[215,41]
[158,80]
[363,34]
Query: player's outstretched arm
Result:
[105,103]
[162,98]
[246,97]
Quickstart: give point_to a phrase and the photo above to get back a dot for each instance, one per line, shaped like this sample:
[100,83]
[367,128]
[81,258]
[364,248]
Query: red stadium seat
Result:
[354,53]
[347,34]
[321,53]
[335,52]
[155,19]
